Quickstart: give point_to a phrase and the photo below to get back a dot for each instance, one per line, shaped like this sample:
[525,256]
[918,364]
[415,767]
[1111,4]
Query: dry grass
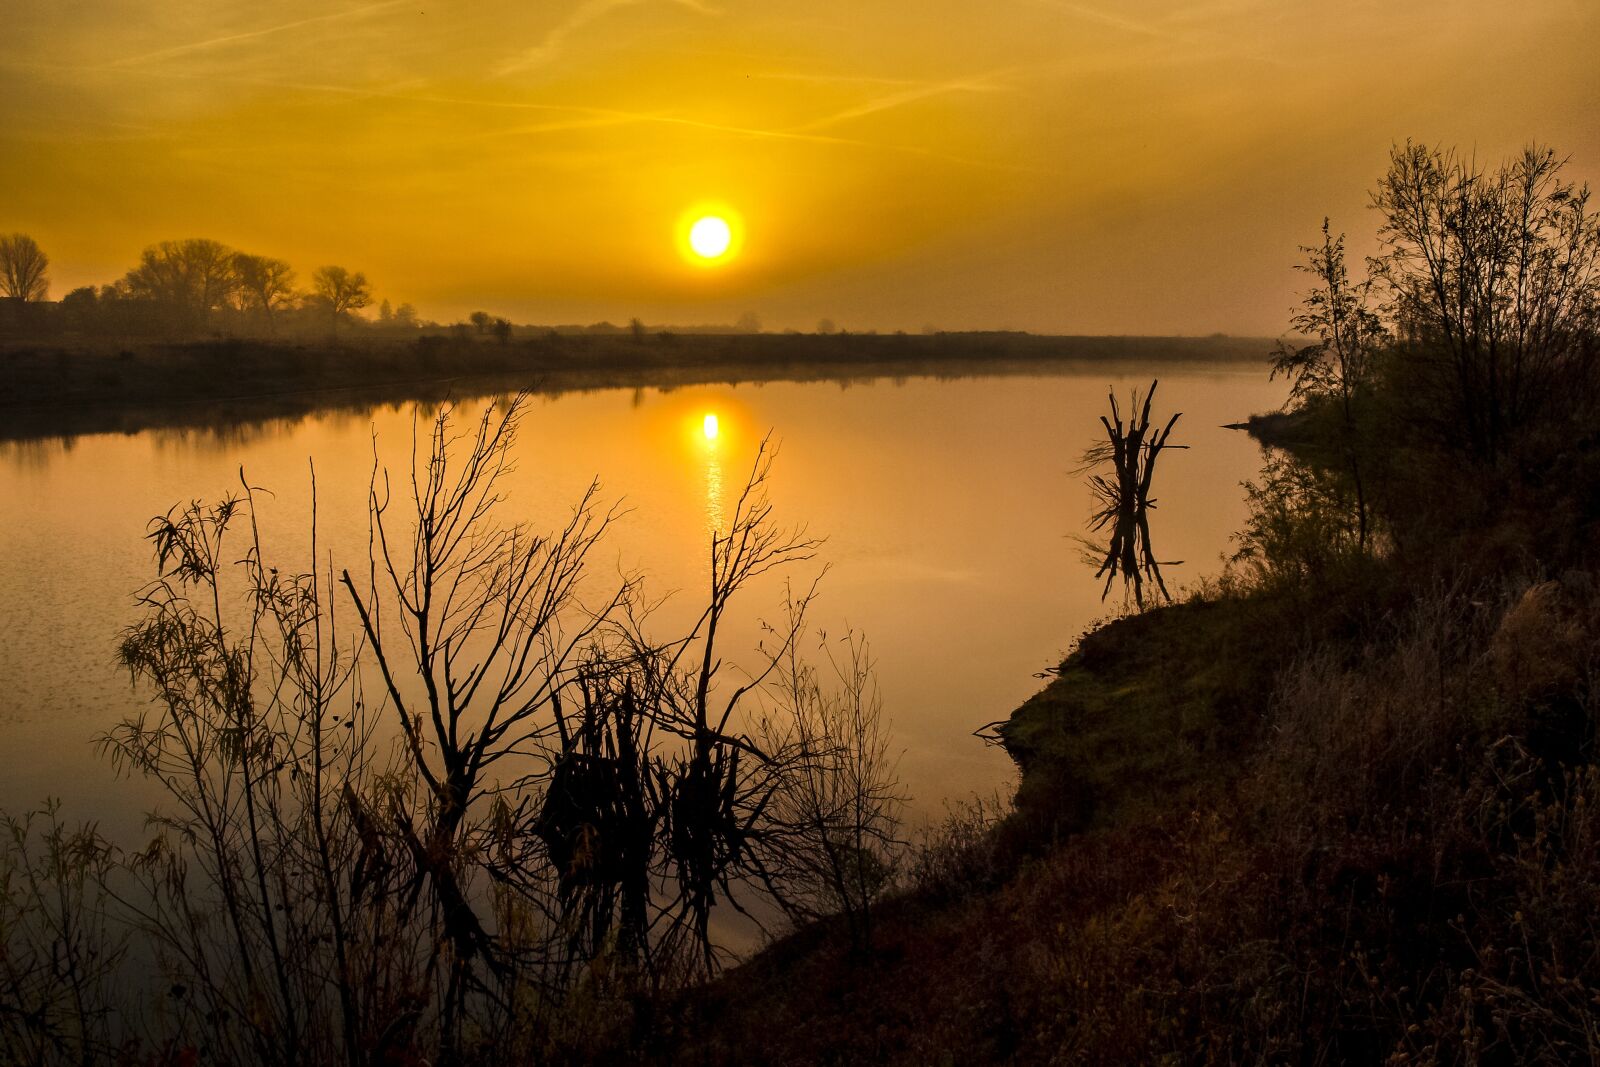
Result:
[1401,871]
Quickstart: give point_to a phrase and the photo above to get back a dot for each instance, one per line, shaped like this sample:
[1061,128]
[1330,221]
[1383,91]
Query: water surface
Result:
[949,509]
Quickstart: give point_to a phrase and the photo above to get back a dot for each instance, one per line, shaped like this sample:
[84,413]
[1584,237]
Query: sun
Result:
[709,427]
[710,237]
[710,233]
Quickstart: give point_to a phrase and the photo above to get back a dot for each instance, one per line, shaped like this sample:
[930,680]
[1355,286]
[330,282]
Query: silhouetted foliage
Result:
[80,309]
[838,795]
[1337,365]
[1494,279]
[1338,314]
[1304,524]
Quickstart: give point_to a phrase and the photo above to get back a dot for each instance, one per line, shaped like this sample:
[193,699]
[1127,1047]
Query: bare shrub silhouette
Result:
[421,831]
[275,946]
[1494,285]
[838,798]
[59,954]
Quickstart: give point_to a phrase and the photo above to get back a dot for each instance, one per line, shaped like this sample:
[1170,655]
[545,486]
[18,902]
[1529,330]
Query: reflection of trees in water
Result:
[224,437]
[37,452]
[1122,497]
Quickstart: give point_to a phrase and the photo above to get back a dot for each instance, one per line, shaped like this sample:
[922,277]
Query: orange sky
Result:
[1137,167]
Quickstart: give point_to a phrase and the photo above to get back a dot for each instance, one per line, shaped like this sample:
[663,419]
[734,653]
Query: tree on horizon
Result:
[22,268]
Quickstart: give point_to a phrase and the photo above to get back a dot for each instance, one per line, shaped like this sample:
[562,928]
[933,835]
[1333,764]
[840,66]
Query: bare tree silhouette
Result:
[192,278]
[22,268]
[341,290]
[266,283]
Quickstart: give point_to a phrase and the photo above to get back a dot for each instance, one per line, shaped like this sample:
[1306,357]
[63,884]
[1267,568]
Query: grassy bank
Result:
[1339,806]
[1247,831]
[57,390]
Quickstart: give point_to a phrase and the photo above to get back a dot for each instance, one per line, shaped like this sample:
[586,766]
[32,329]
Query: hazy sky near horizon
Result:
[1103,167]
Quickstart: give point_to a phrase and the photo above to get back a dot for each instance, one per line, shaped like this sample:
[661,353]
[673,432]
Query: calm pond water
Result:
[949,509]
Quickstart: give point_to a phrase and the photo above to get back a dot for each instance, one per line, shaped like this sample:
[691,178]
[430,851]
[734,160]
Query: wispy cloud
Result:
[1118,22]
[835,79]
[1190,33]
[913,94]
[265,31]
[586,115]
[584,14]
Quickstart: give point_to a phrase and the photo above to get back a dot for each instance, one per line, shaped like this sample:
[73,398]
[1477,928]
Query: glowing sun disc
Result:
[710,427]
[710,237]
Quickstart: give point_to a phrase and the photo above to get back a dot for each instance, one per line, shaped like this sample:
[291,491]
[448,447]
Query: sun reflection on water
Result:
[713,455]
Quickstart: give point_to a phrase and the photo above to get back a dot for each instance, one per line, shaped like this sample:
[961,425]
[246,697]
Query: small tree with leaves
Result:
[1348,336]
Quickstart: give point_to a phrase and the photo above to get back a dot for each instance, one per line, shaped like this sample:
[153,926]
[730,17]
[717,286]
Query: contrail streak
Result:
[267,31]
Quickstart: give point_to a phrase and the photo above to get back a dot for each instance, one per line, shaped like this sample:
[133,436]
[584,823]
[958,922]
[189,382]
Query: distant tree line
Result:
[187,289]
[200,288]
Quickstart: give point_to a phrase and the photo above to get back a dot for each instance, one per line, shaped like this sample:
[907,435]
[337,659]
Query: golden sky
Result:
[1105,167]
